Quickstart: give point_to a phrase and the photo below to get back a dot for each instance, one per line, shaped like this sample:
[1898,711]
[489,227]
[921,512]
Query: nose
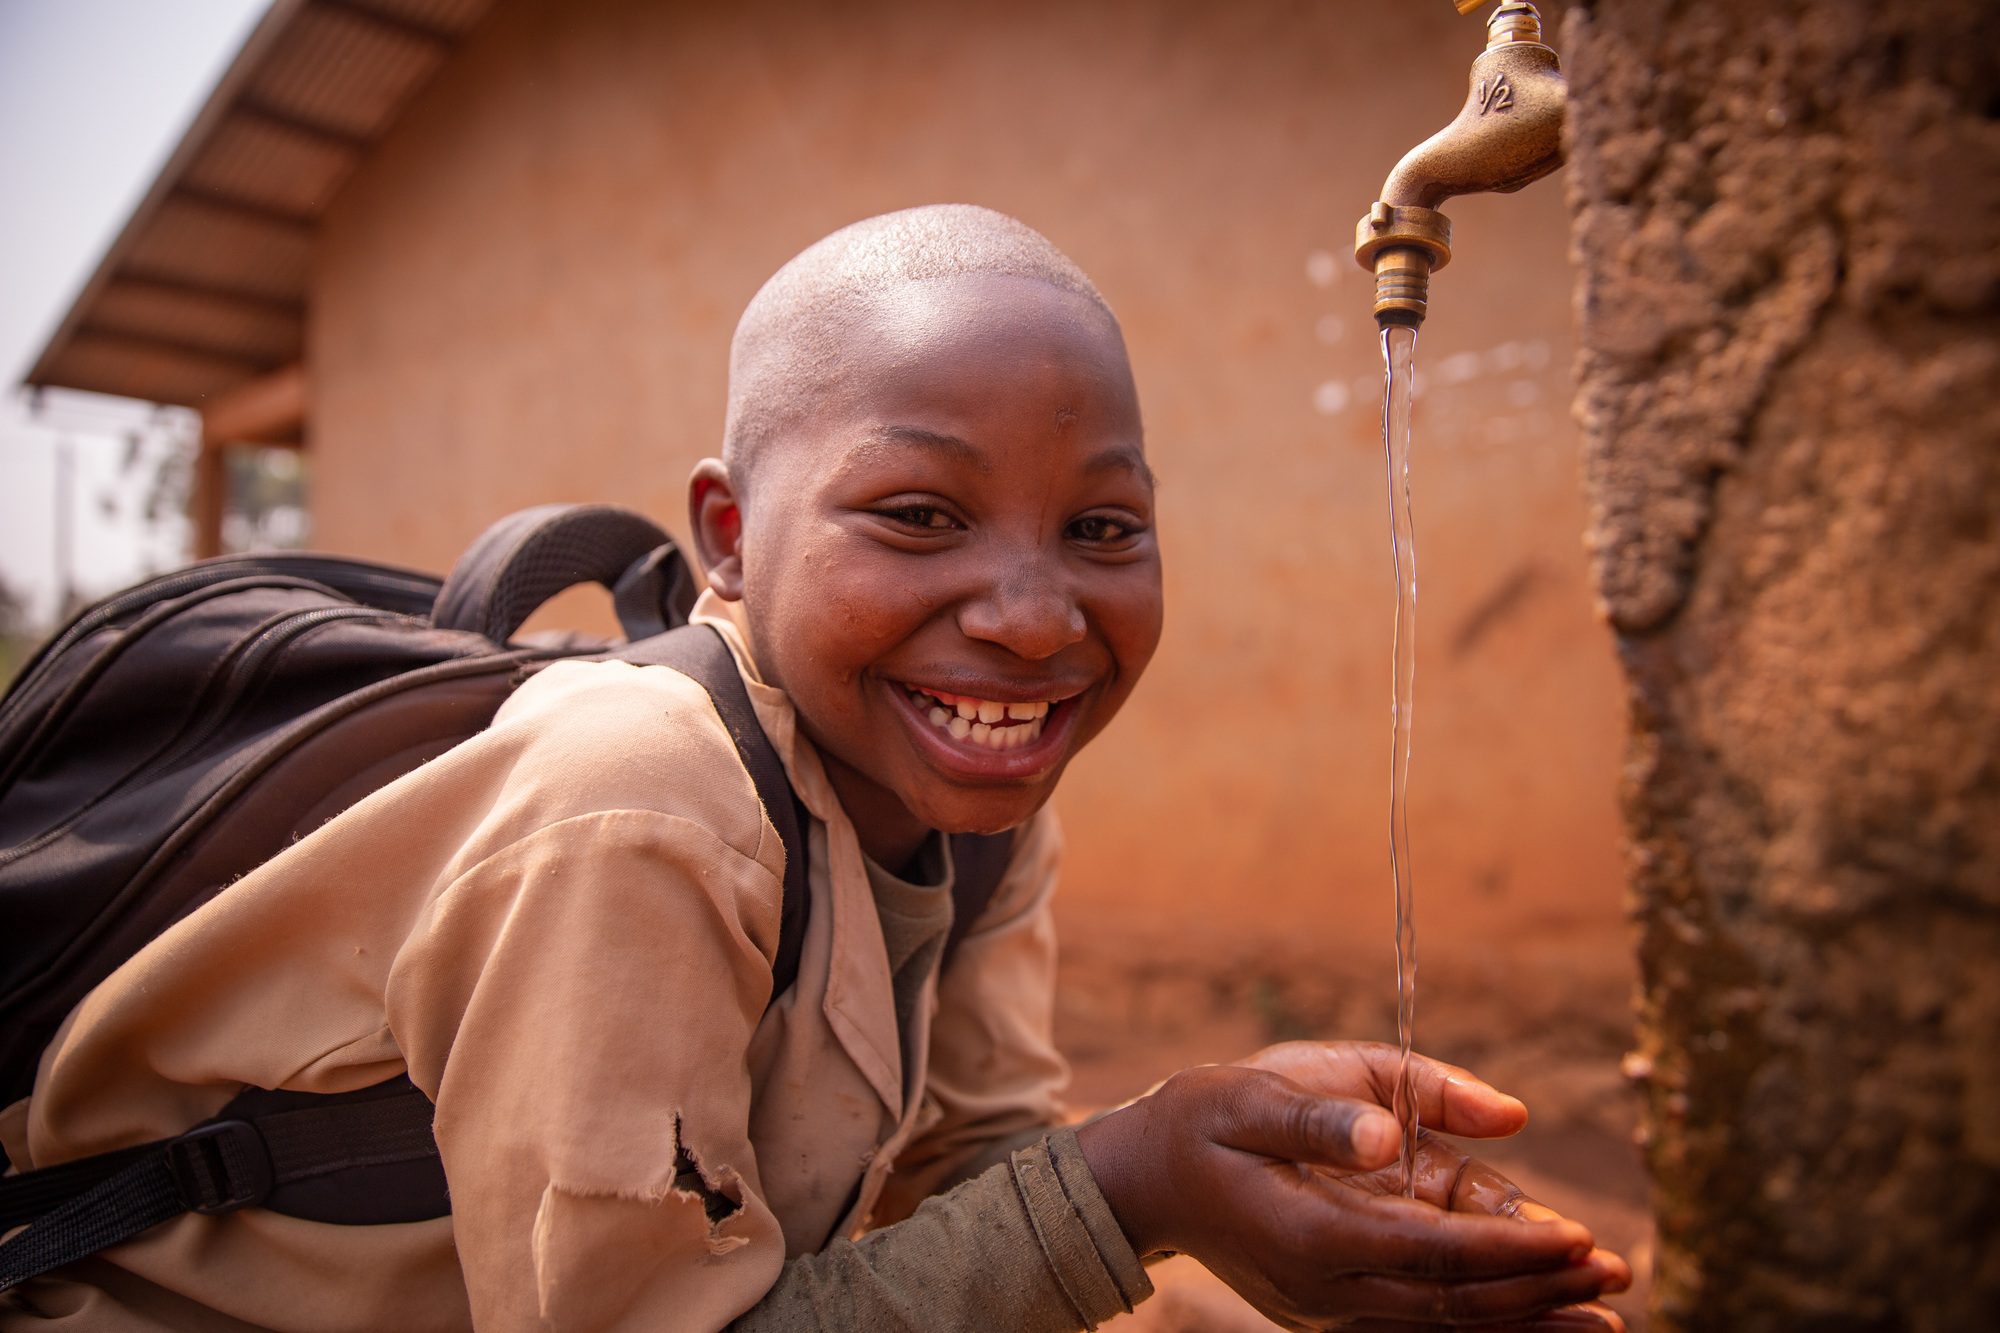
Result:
[1032,614]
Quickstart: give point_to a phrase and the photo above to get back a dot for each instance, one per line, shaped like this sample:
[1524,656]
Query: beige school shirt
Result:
[563,931]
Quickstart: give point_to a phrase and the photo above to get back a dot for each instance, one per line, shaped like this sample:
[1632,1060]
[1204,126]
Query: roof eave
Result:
[220,100]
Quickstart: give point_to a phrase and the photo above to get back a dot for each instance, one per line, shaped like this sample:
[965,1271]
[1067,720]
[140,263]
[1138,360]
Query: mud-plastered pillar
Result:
[1787,231]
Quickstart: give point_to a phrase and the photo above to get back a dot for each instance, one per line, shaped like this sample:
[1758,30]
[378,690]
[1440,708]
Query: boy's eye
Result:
[1100,530]
[928,517]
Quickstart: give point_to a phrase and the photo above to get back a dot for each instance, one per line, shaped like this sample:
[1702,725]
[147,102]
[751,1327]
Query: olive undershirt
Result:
[1028,1243]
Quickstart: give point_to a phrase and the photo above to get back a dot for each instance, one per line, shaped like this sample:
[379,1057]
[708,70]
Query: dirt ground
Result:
[1549,1026]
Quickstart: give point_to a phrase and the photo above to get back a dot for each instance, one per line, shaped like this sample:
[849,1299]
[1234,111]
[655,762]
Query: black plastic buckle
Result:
[220,1167]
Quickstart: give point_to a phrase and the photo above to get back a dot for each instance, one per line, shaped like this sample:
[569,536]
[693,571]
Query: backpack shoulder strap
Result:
[698,652]
[979,862]
[364,1156]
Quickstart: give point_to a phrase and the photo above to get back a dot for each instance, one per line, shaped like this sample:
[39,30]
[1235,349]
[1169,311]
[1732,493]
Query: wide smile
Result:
[994,739]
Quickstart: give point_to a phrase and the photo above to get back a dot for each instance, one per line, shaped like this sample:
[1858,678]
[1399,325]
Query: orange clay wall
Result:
[527,295]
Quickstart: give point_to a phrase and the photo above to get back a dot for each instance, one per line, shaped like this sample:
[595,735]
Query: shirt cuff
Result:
[1085,1248]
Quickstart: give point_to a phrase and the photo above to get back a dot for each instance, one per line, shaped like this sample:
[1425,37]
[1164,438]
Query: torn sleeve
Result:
[578,1005]
[1029,1245]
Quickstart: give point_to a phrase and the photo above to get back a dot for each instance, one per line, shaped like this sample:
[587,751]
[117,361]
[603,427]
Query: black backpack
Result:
[176,735]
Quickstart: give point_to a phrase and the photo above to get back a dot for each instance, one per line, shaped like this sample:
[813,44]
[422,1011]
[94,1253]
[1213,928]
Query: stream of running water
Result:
[1399,349]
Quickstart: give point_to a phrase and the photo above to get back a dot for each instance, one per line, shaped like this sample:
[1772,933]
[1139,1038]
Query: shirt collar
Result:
[773,706]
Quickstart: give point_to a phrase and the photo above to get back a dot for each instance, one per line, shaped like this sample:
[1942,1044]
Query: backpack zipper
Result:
[337,576]
[249,658]
[382,582]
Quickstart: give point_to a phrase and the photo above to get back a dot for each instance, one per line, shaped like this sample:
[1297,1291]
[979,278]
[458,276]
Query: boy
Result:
[929,542]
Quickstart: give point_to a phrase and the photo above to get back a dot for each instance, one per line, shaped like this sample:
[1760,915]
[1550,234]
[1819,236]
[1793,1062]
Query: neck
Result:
[888,832]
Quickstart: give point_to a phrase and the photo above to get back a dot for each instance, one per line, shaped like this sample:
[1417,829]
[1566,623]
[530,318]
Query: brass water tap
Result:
[1508,133]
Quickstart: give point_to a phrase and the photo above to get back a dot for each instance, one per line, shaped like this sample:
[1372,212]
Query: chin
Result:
[992,812]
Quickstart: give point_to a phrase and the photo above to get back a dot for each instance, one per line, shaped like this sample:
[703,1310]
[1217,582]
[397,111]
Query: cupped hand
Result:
[1449,1099]
[1278,1175]
[1450,1179]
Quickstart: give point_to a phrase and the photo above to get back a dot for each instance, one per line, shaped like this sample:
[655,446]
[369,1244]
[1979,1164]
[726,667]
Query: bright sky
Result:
[94,95]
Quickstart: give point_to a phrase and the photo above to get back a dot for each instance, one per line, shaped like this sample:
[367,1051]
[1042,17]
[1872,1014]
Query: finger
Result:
[1448,1178]
[1407,1238]
[1274,1117]
[1618,1273]
[1593,1310]
[1447,1097]
[1451,1099]
[1496,1300]
[1587,1318]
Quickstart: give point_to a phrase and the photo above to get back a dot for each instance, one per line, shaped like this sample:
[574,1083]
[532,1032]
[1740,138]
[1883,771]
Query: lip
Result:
[966,760]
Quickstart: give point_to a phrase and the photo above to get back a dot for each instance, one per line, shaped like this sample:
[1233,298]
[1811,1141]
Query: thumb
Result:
[1272,1116]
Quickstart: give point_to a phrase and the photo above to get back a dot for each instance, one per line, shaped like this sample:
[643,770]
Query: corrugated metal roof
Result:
[206,286]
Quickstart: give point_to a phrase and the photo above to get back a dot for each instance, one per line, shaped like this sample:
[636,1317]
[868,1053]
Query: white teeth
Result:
[978,720]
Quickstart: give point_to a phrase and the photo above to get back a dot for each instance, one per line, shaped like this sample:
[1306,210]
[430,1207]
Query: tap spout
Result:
[1508,133]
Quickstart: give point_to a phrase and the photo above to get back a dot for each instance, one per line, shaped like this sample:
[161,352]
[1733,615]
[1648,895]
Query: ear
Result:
[717,522]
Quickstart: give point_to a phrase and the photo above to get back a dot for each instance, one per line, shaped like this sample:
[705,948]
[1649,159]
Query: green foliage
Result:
[17,637]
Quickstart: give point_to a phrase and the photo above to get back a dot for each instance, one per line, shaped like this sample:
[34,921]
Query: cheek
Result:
[1129,612]
[837,611]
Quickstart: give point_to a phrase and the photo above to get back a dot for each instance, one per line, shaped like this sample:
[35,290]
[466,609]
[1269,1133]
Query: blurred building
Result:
[470,256]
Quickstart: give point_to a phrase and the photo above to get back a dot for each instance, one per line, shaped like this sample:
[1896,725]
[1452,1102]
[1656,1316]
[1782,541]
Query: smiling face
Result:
[950,563]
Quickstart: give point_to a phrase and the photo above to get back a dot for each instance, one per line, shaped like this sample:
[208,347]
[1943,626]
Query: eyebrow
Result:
[891,437]
[1117,458]
[1121,458]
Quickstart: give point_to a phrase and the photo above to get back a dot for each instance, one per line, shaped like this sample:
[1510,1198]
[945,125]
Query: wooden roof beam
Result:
[256,108]
[267,410]
[249,208]
[179,346]
[279,306]
[439,38]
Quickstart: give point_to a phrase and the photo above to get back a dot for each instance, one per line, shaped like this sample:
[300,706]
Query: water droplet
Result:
[1458,368]
[1330,398]
[1322,268]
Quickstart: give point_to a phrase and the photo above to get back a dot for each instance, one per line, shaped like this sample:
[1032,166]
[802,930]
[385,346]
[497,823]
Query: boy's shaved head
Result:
[787,352]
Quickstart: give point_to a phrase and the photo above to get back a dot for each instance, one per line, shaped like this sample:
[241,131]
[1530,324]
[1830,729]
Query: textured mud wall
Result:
[1787,218]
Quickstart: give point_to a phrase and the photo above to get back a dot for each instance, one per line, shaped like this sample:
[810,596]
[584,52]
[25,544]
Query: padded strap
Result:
[32,1194]
[979,862]
[143,1194]
[698,652]
[527,558]
[655,594]
[217,1167]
